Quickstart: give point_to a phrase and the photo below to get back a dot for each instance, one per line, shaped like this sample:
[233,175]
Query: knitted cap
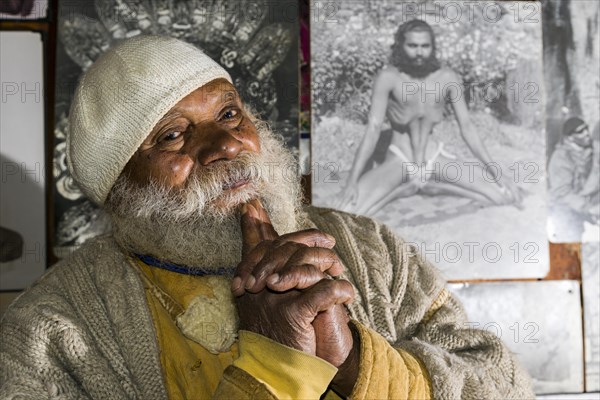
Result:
[571,125]
[122,97]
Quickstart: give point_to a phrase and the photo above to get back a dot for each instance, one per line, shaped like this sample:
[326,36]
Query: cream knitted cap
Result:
[122,97]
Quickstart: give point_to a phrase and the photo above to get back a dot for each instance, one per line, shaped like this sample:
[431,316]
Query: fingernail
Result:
[252,210]
[273,279]
[250,282]
[236,283]
[244,208]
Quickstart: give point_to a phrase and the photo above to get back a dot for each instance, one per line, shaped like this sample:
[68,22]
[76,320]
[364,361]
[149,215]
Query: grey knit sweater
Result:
[84,330]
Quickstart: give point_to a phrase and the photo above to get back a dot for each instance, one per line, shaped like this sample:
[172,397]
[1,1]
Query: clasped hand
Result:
[284,289]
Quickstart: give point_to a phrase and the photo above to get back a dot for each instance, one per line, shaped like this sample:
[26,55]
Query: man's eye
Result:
[172,136]
[229,114]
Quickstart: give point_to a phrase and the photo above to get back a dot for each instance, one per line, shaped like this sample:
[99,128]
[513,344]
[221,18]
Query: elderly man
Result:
[215,283]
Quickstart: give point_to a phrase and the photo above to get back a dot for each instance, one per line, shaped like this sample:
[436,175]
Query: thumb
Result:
[255,225]
[251,235]
[267,230]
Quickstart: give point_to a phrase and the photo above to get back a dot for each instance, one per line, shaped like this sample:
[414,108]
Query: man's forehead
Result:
[418,34]
[215,92]
[219,87]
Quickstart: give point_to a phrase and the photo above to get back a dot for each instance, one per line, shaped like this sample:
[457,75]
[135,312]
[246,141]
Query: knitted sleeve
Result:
[44,349]
[402,297]
[81,333]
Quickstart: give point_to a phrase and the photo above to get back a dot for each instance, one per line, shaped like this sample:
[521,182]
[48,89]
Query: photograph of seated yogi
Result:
[215,281]
[412,117]
[428,120]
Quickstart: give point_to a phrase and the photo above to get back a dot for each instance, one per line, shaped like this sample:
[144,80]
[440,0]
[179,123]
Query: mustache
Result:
[204,186]
[219,176]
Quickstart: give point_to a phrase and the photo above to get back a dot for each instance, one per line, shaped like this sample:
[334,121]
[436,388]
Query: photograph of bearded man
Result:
[428,122]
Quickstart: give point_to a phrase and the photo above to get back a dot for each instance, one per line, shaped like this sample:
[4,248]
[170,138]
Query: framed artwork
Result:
[571,64]
[540,322]
[22,160]
[590,276]
[429,117]
[256,41]
[24,9]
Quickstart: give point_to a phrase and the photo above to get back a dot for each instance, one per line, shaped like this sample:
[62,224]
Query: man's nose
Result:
[215,144]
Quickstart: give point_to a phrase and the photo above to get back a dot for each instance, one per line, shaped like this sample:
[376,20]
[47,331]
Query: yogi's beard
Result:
[416,70]
[199,225]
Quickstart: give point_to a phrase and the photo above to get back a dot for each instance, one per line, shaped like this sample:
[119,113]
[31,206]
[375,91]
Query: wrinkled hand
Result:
[338,345]
[284,290]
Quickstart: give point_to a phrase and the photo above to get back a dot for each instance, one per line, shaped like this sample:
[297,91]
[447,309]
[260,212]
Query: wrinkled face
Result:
[178,197]
[205,128]
[417,46]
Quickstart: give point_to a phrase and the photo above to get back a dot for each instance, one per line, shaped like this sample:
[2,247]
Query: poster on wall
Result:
[429,117]
[590,276]
[571,65]
[256,41]
[22,166]
[540,322]
[23,9]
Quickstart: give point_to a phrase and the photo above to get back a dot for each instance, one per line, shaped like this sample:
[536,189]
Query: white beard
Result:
[199,225]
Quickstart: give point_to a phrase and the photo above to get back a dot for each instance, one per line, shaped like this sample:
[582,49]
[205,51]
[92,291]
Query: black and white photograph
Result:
[429,116]
[22,168]
[539,321]
[590,276]
[256,41]
[23,9]
[571,65]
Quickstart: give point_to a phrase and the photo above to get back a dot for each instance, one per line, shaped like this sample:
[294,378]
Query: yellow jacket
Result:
[87,330]
[258,367]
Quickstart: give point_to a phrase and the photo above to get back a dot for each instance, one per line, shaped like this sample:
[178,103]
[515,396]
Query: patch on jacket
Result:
[212,321]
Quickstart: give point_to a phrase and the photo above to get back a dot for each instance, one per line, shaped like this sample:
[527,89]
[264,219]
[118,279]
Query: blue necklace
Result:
[184,269]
